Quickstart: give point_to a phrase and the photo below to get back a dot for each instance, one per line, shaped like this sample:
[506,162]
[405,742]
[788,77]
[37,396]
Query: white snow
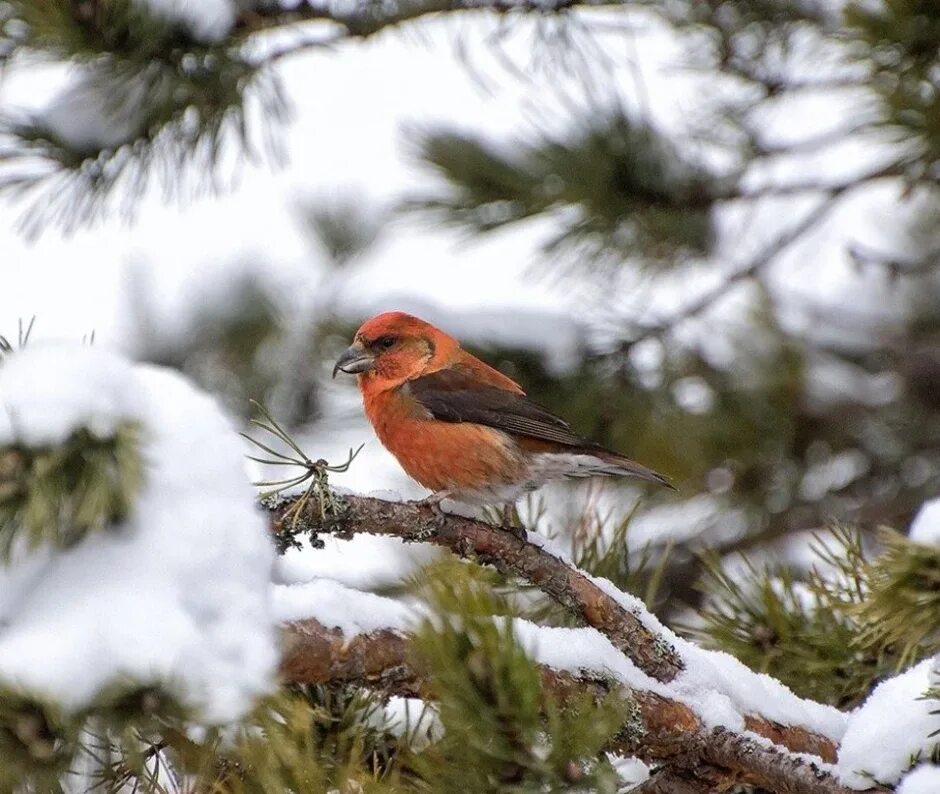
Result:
[925,528]
[178,594]
[631,771]
[716,685]
[206,20]
[890,729]
[48,393]
[83,117]
[577,649]
[364,562]
[336,606]
[722,689]
[922,780]
[414,719]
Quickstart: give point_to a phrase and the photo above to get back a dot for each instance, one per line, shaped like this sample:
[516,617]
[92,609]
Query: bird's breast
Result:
[464,458]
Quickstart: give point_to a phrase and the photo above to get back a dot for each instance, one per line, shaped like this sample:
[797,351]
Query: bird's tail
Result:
[612,464]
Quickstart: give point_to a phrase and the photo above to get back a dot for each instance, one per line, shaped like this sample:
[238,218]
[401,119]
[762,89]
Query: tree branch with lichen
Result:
[668,730]
[486,544]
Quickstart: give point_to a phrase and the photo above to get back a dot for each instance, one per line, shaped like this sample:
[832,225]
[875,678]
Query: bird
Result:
[461,428]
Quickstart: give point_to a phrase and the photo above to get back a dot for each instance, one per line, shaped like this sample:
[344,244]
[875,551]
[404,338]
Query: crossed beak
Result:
[353,360]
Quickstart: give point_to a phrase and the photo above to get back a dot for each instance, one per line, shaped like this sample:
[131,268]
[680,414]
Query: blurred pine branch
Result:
[55,495]
[615,189]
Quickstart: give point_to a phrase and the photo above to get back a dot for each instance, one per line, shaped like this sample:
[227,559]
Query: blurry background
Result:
[705,232]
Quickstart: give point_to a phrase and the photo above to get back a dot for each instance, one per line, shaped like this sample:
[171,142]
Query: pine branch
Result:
[58,493]
[472,539]
[365,18]
[659,730]
[556,578]
[831,198]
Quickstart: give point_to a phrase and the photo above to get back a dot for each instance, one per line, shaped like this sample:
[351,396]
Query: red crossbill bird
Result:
[460,427]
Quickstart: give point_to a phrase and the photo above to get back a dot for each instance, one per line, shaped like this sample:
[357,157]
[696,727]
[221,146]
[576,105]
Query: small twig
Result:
[22,336]
[894,265]
[769,253]
[316,472]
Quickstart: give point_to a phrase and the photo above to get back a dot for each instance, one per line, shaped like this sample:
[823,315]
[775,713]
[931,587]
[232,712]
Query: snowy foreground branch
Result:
[706,718]
[660,730]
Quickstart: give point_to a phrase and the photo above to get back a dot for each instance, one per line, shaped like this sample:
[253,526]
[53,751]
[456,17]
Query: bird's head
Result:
[395,347]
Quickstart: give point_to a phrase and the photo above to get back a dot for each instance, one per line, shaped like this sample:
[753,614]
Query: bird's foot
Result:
[431,528]
[433,501]
[510,524]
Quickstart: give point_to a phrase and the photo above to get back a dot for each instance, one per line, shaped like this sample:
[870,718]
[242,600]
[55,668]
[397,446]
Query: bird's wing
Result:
[456,394]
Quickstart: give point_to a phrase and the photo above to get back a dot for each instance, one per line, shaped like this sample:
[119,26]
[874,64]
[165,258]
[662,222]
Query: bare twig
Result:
[769,253]
[894,265]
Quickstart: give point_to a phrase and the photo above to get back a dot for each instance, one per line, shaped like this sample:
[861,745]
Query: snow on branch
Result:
[467,538]
[695,703]
[661,729]
[170,591]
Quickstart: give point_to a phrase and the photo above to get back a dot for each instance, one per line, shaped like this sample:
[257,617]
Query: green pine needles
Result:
[55,495]
[171,108]
[503,731]
[831,636]
[898,42]
[500,728]
[37,741]
[616,188]
[902,609]
[312,738]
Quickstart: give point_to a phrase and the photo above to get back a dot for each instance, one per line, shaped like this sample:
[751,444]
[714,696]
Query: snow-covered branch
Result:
[570,587]
[658,729]
[695,703]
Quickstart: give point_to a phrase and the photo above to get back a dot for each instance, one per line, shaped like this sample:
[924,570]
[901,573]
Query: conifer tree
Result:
[829,421]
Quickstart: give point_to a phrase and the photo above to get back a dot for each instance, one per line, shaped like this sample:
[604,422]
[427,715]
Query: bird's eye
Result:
[385,342]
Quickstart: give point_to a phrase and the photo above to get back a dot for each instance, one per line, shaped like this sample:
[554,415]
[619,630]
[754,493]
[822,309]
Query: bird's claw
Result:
[431,528]
[508,524]
[433,501]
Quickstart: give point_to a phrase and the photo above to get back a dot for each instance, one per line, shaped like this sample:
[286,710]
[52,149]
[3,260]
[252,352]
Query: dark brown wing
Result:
[455,395]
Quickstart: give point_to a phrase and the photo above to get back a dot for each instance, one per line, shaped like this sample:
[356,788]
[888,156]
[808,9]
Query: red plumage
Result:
[460,427]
